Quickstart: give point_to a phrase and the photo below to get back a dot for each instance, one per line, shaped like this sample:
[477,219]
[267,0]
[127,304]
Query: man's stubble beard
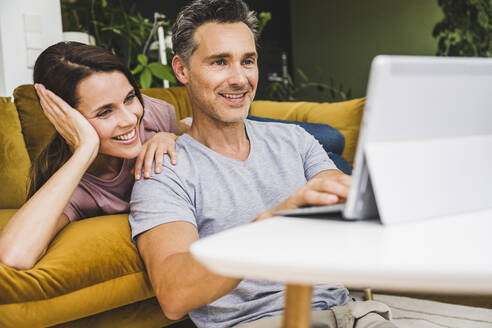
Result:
[214,114]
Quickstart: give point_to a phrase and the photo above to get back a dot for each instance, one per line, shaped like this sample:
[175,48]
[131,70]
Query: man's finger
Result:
[263,216]
[313,197]
[329,186]
[345,180]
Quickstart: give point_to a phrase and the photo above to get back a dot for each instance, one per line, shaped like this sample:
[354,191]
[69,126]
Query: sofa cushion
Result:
[176,96]
[146,313]
[341,163]
[91,266]
[36,128]
[14,163]
[331,139]
[344,116]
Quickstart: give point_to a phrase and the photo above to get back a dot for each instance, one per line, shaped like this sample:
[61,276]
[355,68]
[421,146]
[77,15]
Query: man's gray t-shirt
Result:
[215,193]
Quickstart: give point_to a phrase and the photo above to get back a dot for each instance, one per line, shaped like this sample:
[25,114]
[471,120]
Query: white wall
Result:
[42,27]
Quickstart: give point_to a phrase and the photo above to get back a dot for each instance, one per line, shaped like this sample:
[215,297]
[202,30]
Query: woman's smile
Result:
[127,138]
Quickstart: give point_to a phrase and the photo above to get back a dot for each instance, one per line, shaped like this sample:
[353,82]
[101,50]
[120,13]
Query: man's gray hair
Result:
[200,12]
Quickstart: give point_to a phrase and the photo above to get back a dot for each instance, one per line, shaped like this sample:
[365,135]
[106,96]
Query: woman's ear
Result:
[180,69]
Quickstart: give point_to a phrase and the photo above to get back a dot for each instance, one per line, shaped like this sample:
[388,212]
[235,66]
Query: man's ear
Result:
[180,69]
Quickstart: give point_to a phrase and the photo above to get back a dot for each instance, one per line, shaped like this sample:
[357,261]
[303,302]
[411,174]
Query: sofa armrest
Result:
[90,267]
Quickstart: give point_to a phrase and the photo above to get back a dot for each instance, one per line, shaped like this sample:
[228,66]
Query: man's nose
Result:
[237,76]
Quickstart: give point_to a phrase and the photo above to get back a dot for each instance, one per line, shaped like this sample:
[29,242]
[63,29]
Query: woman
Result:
[95,105]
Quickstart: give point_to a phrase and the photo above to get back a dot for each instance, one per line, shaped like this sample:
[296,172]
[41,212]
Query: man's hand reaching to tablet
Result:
[326,188]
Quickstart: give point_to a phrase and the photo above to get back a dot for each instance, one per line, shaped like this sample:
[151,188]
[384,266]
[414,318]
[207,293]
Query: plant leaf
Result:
[137,69]
[302,75]
[146,78]
[163,72]
[142,59]
[134,19]
[482,19]
[135,38]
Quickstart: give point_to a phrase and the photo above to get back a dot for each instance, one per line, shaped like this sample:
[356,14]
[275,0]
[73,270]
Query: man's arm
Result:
[325,188]
[181,283]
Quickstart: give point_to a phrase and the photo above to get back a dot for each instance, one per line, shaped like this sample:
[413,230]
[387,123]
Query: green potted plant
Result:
[117,26]
[290,90]
[466,29]
[147,70]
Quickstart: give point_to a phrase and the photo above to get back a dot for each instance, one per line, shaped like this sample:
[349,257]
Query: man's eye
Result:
[248,62]
[104,113]
[219,62]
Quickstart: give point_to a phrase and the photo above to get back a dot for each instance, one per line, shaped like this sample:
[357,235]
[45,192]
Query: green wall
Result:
[339,38]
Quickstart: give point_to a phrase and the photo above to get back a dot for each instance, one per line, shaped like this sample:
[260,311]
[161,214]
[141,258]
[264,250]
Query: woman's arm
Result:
[28,233]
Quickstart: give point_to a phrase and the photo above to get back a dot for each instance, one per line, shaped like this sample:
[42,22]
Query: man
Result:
[231,171]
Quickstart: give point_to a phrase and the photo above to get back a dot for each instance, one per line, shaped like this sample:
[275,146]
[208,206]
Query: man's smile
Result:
[235,98]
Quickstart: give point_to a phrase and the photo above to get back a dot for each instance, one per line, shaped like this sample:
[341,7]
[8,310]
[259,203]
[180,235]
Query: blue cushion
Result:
[341,163]
[331,139]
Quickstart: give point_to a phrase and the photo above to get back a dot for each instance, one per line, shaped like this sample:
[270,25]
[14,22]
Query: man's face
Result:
[222,73]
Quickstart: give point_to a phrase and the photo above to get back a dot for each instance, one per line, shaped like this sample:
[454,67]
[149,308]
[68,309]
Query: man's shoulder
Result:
[273,126]
[186,152]
[275,130]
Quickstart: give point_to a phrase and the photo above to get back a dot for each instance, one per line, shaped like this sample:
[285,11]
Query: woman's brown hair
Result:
[60,68]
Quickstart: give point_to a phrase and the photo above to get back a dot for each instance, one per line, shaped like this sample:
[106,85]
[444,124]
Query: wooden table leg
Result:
[298,306]
[368,294]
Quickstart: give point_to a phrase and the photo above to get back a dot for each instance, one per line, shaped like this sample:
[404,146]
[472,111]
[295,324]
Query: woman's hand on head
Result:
[69,122]
[153,150]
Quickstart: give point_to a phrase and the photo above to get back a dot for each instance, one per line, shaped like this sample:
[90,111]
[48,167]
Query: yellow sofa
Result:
[91,275]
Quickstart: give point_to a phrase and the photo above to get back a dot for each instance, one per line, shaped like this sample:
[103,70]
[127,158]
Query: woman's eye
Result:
[129,98]
[103,113]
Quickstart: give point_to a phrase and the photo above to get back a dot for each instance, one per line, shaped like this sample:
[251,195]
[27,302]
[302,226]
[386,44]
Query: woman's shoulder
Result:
[154,104]
[159,116]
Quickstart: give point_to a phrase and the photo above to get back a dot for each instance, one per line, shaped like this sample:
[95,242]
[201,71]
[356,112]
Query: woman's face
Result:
[110,104]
